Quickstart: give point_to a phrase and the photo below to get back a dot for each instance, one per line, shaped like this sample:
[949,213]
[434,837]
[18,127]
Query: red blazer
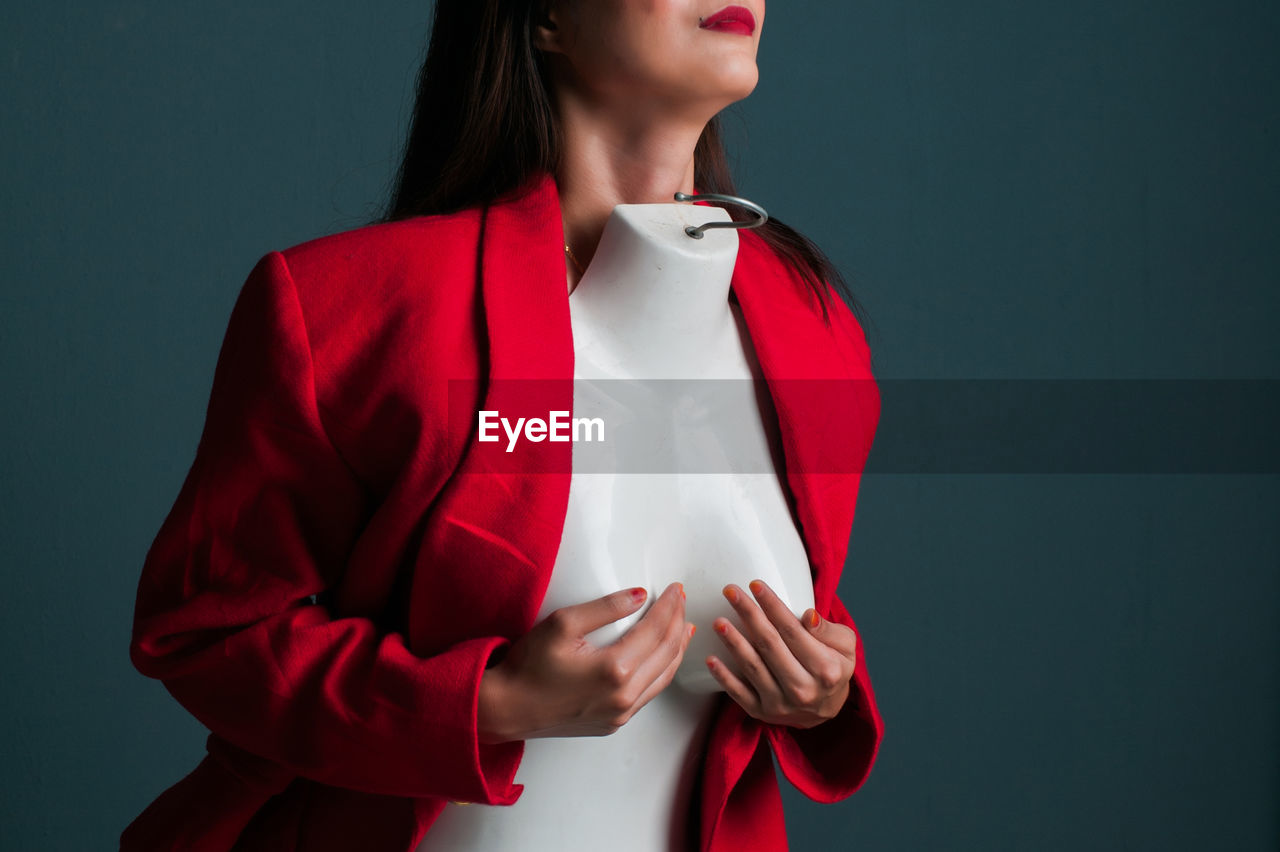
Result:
[340,565]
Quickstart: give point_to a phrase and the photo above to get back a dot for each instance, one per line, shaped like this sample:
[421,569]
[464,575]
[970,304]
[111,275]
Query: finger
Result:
[663,680]
[754,669]
[661,624]
[764,638]
[650,668]
[738,691]
[832,634]
[804,643]
[580,619]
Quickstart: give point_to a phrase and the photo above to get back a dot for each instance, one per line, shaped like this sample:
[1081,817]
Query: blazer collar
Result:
[526,311]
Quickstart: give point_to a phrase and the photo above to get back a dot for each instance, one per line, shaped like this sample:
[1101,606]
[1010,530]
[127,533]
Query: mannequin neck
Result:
[661,295]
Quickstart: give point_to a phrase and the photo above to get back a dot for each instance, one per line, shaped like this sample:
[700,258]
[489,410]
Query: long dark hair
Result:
[484,123]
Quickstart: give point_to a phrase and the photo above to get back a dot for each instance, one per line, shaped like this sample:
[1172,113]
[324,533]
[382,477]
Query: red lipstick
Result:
[731,19]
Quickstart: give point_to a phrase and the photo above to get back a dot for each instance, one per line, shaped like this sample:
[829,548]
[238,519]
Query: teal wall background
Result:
[1016,190]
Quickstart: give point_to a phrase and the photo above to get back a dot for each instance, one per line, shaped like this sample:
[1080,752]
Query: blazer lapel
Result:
[498,525]
[823,405]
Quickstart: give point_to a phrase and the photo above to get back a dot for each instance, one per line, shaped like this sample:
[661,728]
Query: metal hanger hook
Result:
[696,233]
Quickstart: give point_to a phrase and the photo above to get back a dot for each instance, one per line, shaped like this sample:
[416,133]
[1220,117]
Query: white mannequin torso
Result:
[652,306]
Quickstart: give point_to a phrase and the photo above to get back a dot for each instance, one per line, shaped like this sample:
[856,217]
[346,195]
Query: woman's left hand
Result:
[798,674]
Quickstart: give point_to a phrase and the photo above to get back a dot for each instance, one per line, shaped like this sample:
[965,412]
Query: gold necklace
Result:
[569,252]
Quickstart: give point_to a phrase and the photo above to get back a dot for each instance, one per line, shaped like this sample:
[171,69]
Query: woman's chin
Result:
[739,86]
[733,79]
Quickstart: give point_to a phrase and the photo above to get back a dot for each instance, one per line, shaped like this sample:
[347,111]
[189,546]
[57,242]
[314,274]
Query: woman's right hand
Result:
[554,683]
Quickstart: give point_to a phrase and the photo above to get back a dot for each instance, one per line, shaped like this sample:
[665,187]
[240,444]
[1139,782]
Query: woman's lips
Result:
[731,19]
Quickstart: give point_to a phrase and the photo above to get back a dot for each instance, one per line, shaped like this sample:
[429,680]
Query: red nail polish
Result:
[731,593]
[756,587]
[637,594]
[813,618]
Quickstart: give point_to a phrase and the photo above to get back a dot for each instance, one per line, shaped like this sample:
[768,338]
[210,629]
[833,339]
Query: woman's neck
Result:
[659,296]
[603,164]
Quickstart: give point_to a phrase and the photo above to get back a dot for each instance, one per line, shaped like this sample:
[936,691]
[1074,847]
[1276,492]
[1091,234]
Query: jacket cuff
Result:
[488,769]
[830,761]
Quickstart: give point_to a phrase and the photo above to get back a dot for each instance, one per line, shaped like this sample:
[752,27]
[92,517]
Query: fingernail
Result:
[637,594]
[756,587]
[693,628]
[721,627]
[731,593]
[813,618]
[682,594]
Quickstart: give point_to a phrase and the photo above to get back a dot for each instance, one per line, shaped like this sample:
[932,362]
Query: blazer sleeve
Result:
[830,761]
[225,615]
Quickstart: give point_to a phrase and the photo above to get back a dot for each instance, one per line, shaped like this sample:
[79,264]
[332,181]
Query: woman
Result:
[345,592]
